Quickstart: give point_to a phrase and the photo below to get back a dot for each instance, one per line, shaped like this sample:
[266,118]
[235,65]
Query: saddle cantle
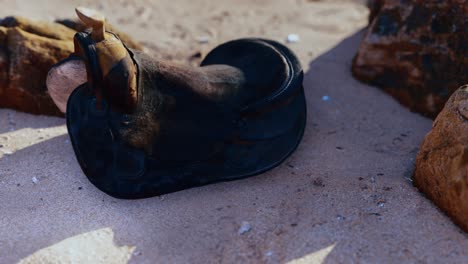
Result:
[142,127]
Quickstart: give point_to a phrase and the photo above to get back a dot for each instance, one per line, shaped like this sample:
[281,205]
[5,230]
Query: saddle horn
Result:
[94,20]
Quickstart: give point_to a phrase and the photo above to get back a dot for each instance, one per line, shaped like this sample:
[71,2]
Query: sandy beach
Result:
[345,195]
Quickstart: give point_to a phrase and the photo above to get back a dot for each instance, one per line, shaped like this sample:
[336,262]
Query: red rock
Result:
[3,60]
[416,51]
[374,7]
[29,58]
[39,28]
[442,162]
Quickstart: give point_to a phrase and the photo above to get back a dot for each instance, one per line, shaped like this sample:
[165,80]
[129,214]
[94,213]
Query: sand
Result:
[345,196]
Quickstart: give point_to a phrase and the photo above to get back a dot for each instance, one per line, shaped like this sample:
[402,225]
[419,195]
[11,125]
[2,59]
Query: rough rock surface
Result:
[27,51]
[442,163]
[416,51]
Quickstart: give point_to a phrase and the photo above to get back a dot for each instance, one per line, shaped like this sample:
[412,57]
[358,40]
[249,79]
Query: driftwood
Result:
[415,51]
[28,49]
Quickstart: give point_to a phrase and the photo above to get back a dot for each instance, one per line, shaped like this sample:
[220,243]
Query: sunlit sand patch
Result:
[316,257]
[92,247]
[22,138]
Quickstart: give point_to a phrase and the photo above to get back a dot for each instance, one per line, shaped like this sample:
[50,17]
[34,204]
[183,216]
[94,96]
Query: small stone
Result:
[340,218]
[293,38]
[245,227]
[196,55]
[318,182]
[203,39]
[7,152]
[35,180]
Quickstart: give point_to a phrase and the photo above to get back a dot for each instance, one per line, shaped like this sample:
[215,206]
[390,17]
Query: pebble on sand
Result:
[7,152]
[203,39]
[35,180]
[245,227]
[293,38]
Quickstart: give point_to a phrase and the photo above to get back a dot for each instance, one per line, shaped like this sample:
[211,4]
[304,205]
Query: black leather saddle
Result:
[241,113]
